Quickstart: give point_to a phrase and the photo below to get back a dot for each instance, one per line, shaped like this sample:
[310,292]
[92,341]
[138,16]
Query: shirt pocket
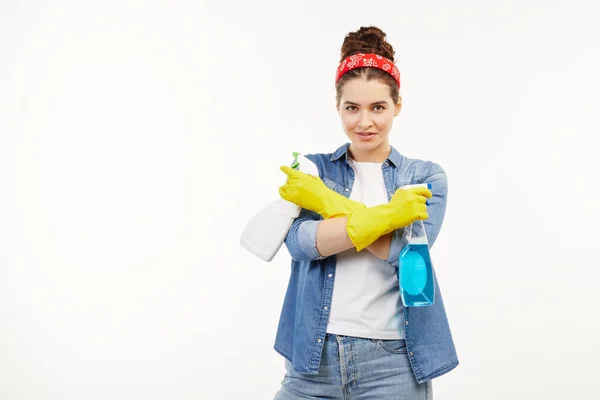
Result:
[333,185]
[400,183]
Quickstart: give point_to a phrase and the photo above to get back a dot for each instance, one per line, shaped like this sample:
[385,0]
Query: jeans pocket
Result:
[395,346]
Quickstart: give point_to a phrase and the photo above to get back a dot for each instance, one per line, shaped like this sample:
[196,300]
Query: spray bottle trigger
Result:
[296,163]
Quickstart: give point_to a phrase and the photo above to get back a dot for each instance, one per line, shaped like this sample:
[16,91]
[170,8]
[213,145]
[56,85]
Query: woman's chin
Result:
[366,145]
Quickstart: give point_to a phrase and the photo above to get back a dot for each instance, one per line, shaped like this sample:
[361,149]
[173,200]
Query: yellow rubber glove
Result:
[310,192]
[406,206]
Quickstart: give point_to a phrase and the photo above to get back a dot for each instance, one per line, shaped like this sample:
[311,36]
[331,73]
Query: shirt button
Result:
[406,323]
[410,354]
[319,340]
[330,275]
[347,190]
[325,308]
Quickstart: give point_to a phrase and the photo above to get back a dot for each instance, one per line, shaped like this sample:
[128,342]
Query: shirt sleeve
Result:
[301,240]
[436,211]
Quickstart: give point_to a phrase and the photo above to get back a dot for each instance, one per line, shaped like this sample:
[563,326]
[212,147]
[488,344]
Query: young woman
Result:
[343,330]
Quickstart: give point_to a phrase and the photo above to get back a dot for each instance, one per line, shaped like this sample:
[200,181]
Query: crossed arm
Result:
[310,238]
[332,238]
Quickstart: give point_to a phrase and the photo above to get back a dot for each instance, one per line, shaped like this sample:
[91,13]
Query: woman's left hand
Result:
[311,193]
[304,190]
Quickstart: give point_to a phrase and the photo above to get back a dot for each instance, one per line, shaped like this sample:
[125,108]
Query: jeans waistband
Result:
[342,338]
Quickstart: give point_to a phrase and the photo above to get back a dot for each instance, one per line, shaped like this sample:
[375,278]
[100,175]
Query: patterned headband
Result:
[368,60]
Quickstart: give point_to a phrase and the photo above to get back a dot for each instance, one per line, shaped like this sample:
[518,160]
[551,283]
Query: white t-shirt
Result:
[366,295]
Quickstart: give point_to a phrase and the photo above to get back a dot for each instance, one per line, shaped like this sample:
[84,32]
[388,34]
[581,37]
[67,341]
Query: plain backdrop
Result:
[137,138]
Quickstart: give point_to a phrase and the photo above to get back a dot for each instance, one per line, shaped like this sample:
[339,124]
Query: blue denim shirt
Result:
[305,313]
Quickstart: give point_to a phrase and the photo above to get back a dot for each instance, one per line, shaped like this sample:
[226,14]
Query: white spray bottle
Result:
[267,230]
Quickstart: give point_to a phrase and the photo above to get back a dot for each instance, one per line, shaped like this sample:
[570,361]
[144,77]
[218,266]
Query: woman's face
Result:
[367,111]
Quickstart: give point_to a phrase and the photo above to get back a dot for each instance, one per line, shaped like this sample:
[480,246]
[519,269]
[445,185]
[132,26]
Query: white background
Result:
[138,138]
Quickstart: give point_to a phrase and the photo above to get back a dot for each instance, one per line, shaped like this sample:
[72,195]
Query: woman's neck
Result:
[376,155]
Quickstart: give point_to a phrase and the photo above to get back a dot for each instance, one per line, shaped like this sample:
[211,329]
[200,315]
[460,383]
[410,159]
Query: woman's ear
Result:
[398,106]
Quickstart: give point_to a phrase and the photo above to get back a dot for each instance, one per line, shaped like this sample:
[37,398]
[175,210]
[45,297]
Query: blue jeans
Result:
[357,368]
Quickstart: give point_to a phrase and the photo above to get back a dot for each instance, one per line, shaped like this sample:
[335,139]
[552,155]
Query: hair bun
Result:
[367,40]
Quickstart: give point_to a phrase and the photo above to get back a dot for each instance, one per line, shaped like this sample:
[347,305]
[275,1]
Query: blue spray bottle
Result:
[415,272]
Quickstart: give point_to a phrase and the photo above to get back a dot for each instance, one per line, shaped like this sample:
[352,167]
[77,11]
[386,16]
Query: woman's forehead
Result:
[361,91]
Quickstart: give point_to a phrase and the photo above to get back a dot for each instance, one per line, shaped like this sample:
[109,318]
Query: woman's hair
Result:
[367,40]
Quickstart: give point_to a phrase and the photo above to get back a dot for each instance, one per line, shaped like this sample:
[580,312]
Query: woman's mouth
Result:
[365,135]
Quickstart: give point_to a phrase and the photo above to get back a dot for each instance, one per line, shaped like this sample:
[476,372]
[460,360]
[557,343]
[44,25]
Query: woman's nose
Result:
[365,121]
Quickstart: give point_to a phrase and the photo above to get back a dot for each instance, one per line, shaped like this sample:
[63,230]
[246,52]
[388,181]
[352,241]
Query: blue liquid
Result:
[416,276]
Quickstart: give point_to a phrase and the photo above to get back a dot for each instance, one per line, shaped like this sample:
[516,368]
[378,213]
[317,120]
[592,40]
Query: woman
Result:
[354,339]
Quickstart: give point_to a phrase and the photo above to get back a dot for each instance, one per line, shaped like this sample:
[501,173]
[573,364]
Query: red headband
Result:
[368,60]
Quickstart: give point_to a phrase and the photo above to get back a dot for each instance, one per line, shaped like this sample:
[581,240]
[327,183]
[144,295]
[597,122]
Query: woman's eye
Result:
[350,108]
[379,108]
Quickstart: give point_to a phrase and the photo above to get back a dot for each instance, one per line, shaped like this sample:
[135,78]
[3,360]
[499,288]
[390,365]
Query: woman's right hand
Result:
[411,205]
[405,207]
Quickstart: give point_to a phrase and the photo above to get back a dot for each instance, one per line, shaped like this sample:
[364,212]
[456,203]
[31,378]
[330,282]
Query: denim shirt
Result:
[305,312]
